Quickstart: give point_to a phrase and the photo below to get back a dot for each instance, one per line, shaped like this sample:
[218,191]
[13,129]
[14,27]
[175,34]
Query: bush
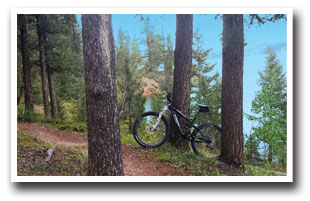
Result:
[73,126]
[30,116]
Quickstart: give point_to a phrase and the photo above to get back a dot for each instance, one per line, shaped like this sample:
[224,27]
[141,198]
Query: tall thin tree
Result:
[26,67]
[40,30]
[104,144]
[182,72]
[232,90]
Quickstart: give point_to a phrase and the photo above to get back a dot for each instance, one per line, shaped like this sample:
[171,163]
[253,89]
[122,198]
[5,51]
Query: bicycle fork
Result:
[159,117]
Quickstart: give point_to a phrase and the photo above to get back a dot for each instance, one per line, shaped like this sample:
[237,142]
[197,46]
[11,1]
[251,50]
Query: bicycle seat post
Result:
[195,117]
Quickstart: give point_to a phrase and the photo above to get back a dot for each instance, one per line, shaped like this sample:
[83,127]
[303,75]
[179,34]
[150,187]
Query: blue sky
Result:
[258,38]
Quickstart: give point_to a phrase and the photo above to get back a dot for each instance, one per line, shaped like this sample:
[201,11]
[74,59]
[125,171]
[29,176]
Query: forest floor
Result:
[135,159]
[70,156]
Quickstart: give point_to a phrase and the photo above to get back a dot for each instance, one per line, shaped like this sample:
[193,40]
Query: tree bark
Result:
[270,154]
[40,29]
[21,91]
[51,85]
[182,74]
[104,144]
[26,66]
[232,90]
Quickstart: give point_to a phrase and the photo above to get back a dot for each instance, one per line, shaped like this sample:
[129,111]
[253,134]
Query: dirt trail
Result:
[135,159]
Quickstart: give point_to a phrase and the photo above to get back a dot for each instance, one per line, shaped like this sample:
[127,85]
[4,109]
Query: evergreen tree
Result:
[251,147]
[24,47]
[152,58]
[269,107]
[232,90]
[164,77]
[167,79]
[40,21]
[182,73]
[129,79]
[104,143]
[206,88]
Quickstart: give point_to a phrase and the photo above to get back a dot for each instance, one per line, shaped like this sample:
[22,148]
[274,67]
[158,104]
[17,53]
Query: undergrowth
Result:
[72,161]
[29,116]
[65,161]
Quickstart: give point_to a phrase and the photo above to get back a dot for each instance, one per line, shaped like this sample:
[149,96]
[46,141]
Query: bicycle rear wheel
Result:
[206,141]
[145,133]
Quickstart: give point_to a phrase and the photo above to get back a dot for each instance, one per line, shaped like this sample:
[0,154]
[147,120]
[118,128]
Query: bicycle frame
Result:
[174,112]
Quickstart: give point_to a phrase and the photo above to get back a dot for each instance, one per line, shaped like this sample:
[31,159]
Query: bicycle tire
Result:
[147,138]
[201,141]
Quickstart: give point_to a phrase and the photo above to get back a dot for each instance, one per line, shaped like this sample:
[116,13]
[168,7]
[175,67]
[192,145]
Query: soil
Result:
[135,159]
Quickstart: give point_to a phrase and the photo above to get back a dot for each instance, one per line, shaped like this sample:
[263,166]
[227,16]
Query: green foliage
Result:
[251,147]
[269,107]
[73,126]
[165,77]
[26,140]
[206,88]
[152,58]
[70,126]
[129,79]
[63,56]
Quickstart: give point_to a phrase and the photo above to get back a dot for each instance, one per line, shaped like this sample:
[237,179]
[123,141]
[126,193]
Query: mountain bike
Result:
[151,130]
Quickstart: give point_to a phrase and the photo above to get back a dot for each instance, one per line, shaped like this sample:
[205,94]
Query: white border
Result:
[287,11]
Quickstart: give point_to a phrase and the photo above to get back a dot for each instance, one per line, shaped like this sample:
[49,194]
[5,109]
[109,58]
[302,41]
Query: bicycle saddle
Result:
[203,108]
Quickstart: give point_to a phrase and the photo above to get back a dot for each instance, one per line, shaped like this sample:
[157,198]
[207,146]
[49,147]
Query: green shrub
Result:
[73,126]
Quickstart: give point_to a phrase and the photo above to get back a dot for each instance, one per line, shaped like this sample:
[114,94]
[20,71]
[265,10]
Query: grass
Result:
[73,161]
[191,164]
[65,161]
[70,126]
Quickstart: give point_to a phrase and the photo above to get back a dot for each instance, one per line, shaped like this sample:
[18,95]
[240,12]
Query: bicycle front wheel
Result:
[149,131]
[206,141]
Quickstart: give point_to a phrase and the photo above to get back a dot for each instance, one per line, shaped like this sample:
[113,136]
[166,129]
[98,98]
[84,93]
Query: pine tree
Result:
[206,88]
[269,107]
[164,77]
[40,20]
[152,58]
[129,79]
[104,143]
[24,47]
[251,147]
[232,90]
[182,73]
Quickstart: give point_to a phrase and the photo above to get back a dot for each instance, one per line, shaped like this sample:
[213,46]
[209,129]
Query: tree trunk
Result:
[232,90]
[40,29]
[104,144]
[52,92]
[20,95]
[182,74]
[270,154]
[26,67]
[51,85]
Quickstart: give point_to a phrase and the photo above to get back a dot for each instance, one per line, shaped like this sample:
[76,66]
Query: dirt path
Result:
[135,159]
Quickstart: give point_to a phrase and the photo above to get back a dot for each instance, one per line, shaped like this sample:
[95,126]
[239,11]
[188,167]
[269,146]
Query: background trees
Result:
[129,79]
[269,107]
[24,48]
[148,58]
[104,144]
[206,89]
[41,33]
